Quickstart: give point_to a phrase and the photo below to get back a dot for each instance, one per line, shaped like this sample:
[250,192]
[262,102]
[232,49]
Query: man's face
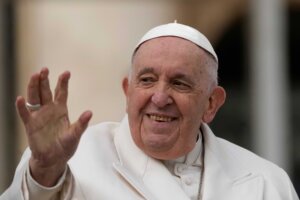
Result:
[168,95]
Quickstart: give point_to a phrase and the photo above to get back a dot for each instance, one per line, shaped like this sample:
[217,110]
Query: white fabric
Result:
[186,170]
[108,165]
[182,31]
[35,190]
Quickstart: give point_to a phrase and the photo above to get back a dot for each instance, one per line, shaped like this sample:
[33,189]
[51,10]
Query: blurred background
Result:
[257,42]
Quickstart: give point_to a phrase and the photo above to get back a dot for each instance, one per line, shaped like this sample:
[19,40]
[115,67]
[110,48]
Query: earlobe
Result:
[216,100]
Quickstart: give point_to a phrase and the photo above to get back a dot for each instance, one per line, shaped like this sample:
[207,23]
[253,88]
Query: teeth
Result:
[160,118]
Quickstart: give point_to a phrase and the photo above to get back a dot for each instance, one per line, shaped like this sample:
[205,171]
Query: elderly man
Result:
[163,148]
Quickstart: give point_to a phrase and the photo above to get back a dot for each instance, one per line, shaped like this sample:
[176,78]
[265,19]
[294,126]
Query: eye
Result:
[180,85]
[147,80]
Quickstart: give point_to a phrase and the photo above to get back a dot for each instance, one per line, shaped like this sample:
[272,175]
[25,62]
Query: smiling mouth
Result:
[160,118]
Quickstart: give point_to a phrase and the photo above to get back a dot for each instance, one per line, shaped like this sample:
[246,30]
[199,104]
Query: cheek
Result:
[192,110]
[186,104]
[192,118]
[137,100]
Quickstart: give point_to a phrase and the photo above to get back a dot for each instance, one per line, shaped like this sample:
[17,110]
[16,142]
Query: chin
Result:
[157,146]
[160,143]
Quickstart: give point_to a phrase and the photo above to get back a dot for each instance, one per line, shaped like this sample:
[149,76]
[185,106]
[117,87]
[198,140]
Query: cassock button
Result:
[188,181]
[180,168]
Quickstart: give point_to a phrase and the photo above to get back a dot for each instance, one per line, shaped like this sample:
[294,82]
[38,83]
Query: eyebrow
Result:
[181,76]
[145,71]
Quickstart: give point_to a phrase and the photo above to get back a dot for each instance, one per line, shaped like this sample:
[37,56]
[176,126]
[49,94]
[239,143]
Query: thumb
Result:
[81,124]
[71,140]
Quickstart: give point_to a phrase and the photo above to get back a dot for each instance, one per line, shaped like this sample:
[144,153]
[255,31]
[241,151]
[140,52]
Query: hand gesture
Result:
[51,137]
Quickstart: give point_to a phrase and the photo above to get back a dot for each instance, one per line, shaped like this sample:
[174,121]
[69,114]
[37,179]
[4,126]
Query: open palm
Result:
[51,137]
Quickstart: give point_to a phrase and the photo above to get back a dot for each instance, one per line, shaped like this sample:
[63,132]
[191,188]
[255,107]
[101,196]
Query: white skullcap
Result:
[182,31]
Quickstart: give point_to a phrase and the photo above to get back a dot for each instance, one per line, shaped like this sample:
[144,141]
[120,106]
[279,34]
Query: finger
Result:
[46,94]
[33,95]
[81,124]
[61,90]
[22,110]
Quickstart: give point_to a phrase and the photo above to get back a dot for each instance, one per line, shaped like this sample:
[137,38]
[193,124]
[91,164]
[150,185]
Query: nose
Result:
[161,98]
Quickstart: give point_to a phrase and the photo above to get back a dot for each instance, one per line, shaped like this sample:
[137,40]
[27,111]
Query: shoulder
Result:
[236,158]
[102,127]
[248,159]
[233,154]
[96,146]
[99,133]
[97,142]
[275,178]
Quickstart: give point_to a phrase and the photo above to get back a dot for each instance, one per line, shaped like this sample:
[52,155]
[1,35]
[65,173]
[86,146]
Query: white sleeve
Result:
[34,191]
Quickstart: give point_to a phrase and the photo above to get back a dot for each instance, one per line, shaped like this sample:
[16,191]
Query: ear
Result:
[216,100]
[125,84]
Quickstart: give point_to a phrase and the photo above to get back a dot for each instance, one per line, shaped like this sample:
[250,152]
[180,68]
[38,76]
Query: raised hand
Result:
[51,137]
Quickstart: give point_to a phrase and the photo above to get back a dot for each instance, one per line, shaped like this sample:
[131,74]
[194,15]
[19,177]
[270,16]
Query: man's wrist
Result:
[46,176]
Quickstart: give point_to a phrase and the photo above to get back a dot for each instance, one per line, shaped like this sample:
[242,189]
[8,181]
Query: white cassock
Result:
[109,166]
